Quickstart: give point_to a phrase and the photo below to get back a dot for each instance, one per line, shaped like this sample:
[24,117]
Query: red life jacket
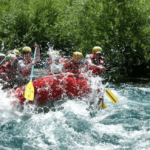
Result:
[74,67]
[98,61]
[66,68]
[6,67]
[96,70]
[5,71]
[9,70]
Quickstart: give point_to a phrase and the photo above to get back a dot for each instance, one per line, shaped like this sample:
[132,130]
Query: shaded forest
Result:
[120,27]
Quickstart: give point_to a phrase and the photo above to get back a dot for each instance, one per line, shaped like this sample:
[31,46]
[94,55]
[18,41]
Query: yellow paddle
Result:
[111,96]
[29,90]
[103,106]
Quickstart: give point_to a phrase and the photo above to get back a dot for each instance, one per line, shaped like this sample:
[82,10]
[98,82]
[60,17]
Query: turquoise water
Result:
[124,125]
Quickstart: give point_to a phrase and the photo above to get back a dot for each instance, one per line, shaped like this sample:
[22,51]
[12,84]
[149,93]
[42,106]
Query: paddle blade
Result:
[103,106]
[29,91]
[111,96]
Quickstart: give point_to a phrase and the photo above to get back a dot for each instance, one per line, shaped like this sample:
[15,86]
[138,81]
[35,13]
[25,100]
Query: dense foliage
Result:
[120,27]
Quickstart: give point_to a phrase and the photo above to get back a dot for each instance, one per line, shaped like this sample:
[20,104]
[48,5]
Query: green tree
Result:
[120,27]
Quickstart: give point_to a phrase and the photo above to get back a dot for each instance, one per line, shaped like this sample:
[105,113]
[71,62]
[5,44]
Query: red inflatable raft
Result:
[55,87]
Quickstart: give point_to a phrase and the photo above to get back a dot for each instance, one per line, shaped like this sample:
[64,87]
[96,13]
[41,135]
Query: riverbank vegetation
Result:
[121,28]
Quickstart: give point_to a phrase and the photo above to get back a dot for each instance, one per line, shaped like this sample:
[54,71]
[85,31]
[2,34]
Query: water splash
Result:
[2,46]
[71,124]
[124,125]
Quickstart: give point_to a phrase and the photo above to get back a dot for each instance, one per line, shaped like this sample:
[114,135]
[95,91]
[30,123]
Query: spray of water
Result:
[2,46]
[124,125]
[75,123]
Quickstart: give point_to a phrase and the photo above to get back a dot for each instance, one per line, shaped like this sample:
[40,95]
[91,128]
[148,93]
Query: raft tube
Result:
[53,87]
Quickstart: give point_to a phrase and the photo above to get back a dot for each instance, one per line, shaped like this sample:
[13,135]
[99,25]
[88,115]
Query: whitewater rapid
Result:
[72,126]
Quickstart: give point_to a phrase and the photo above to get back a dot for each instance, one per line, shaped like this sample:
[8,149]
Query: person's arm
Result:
[68,63]
[92,65]
[65,67]
[74,57]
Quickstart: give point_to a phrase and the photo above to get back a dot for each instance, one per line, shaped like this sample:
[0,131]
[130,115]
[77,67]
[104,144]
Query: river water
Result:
[124,125]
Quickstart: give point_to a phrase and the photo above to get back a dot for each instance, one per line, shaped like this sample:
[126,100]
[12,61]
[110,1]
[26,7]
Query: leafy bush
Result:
[121,28]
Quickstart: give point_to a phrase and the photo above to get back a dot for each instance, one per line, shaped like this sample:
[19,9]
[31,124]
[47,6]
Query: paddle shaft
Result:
[3,60]
[33,65]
